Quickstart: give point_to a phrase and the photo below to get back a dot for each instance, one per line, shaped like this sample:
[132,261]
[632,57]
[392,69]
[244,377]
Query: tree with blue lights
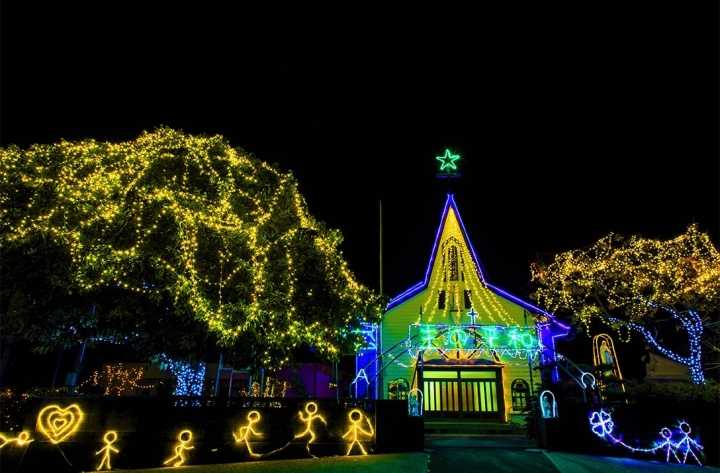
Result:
[643,286]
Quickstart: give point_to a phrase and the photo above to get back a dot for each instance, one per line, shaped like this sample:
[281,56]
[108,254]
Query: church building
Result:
[461,347]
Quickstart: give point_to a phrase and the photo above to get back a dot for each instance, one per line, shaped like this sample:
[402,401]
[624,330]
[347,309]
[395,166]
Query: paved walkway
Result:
[516,454]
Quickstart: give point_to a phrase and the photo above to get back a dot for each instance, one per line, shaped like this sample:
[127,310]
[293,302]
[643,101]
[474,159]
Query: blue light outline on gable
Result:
[450,202]
[422,285]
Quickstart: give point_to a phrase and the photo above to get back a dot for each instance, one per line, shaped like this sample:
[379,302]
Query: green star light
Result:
[448,161]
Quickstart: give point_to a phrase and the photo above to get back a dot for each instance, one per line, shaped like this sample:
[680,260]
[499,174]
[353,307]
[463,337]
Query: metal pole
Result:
[5,357]
[533,410]
[217,376]
[78,367]
[381,252]
[57,369]
[262,382]
[379,383]
[336,374]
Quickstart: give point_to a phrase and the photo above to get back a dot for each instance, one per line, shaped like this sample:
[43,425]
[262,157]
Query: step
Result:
[472,428]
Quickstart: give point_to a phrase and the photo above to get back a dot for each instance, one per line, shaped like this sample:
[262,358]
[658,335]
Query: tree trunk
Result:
[9,341]
[5,357]
[77,368]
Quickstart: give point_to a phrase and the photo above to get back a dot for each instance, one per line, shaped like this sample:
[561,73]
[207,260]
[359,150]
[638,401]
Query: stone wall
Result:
[149,432]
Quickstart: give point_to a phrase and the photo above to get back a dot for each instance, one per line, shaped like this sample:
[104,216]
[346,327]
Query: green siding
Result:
[492,309]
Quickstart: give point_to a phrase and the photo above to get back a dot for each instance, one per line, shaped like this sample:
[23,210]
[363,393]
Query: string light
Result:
[602,425]
[116,380]
[228,237]
[548,405]
[631,283]
[466,342]
[190,377]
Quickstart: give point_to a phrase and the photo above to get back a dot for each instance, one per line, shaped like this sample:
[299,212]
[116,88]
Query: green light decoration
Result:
[448,161]
[466,337]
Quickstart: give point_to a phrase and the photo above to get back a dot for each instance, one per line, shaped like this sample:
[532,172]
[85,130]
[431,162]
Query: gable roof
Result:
[661,368]
[422,285]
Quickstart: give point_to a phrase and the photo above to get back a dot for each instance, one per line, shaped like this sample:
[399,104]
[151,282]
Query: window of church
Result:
[453,270]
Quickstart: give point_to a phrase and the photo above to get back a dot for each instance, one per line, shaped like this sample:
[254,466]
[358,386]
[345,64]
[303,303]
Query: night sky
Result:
[572,119]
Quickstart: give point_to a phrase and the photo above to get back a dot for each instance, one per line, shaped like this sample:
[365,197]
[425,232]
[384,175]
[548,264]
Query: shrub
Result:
[673,391]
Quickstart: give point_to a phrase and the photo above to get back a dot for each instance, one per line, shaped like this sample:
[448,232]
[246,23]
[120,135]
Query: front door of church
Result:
[461,392]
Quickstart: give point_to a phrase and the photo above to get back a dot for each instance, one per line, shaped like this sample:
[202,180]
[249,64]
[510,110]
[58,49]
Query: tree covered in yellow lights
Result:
[173,243]
[640,285]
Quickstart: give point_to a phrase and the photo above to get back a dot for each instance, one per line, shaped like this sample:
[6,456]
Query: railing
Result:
[584,379]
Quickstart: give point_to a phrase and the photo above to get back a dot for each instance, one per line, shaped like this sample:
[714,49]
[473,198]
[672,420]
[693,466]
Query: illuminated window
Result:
[398,389]
[519,392]
[453,271]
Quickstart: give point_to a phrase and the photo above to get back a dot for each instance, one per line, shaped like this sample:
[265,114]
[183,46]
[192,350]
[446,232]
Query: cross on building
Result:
[472,314]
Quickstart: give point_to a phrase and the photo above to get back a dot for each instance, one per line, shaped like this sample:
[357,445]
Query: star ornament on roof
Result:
[448,161]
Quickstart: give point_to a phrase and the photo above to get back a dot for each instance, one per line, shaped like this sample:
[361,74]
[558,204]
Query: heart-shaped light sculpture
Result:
[58,423]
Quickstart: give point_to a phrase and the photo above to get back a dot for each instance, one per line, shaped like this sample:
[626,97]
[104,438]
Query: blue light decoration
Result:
[361,386]
[692,323]
[548,406]
[415,403]
[602,425]
[190,377]
[366,370]
[583,378]
[189,380]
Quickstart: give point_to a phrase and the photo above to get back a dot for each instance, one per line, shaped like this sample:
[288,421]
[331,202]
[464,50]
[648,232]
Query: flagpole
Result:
[378,357]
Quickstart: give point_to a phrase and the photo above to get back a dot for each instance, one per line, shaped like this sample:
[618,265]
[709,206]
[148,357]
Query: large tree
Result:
[177,243]
[639,284]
